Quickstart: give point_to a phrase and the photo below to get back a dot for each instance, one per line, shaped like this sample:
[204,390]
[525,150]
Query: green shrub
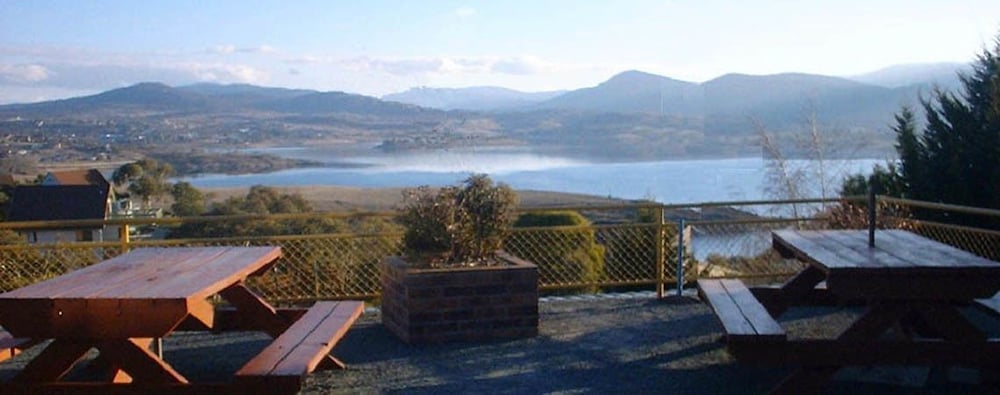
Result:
[457,225]
[567,253]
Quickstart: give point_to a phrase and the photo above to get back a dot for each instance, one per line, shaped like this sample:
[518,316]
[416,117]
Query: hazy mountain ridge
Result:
[631,115]
[944,75]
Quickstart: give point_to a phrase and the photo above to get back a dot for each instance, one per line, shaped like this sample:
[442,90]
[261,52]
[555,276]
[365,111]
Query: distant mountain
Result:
[340,103]
[146,98]
[633,91]
[143,97]
[483,98]
[783,100]
[944,75]
[730,102]
[245,91]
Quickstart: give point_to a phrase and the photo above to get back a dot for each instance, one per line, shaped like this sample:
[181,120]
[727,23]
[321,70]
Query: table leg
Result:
[260,312]
[803,283]
[54,361]
[133,356]
[111,371]
[946,322]
[875,322]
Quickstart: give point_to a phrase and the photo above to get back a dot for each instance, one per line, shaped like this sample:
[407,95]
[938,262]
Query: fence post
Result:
[123,237]
[680,257]
[661,253]
[872,210]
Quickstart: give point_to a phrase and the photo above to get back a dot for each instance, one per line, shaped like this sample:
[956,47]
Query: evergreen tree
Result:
[957,159]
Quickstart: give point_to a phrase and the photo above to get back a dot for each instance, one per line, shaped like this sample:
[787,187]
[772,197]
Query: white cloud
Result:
[518,65]
[224,73]
[465,12]
[23,73]
[223,49]
[230,49]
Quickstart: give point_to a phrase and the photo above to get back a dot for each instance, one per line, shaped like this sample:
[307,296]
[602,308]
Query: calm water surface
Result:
[666,181]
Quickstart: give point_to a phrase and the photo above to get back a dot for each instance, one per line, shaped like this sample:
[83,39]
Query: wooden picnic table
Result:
[911,287]
[120,305]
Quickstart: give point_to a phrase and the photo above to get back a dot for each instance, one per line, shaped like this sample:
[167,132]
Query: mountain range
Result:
[690,118]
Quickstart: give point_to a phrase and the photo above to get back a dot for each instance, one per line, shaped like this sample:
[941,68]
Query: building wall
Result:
[109,233]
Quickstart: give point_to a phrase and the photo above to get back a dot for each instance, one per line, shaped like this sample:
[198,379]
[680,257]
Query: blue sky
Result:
[55,49]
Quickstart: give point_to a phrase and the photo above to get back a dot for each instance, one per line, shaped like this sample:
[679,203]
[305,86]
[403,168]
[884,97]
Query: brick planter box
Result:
[460,304]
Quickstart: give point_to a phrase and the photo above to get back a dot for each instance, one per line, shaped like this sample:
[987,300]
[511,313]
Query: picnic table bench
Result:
[120,305]
[903,281]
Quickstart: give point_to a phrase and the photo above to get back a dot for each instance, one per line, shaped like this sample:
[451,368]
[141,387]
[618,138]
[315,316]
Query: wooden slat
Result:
[810,250]
[918,251]
[733,322]
[755,312]
[301,348]
[156,273]
[213,275]
[954,254]
[84,277]
[320,342]
[878,257]
[163,271]
[144,293]
[739,312]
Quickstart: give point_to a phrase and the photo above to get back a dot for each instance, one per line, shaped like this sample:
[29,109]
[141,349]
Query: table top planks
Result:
[895,250]
[155,273]
[901,265]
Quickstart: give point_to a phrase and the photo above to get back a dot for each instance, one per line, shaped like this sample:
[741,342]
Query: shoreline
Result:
[346,198]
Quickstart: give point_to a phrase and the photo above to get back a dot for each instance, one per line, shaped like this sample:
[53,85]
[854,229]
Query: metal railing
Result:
[624,247]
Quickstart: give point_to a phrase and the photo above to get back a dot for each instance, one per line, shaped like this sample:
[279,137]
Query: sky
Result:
[57,49]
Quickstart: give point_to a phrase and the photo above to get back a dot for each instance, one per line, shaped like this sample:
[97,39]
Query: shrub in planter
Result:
[453,281]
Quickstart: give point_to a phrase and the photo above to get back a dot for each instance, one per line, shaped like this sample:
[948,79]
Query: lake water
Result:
[666,181]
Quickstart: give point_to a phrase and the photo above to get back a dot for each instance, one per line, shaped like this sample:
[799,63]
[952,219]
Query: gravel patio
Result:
[631,343]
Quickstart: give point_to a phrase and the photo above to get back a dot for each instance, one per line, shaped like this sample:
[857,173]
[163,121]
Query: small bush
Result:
[459,225]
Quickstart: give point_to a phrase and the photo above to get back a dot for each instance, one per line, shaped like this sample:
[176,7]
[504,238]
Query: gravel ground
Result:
[632,344]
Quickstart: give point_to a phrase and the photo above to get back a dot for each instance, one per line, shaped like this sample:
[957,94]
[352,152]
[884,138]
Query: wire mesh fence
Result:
[617,248]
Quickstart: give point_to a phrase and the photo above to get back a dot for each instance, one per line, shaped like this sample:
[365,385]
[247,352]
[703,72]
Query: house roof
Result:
[57,202]
[77,177]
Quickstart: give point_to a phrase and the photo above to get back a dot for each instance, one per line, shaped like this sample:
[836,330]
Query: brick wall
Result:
[462,304]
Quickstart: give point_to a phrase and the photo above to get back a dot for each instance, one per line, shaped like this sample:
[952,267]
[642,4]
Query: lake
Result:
[666,181]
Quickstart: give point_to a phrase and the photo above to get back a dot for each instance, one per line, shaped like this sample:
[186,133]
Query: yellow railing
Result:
[626,247]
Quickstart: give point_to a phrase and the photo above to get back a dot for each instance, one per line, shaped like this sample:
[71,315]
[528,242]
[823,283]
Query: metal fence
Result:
[624,247]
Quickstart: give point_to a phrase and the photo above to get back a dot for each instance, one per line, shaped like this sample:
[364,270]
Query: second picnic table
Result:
[904,281]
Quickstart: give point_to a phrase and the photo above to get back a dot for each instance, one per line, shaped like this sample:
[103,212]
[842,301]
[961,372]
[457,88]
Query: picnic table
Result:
[122,305]
[911,288]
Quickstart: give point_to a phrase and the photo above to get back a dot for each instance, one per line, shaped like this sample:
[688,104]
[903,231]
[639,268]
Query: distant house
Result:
[76,177]
[119,207]
[57,203]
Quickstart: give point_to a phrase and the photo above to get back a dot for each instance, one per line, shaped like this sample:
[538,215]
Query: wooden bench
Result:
[742,316]
[282,366]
